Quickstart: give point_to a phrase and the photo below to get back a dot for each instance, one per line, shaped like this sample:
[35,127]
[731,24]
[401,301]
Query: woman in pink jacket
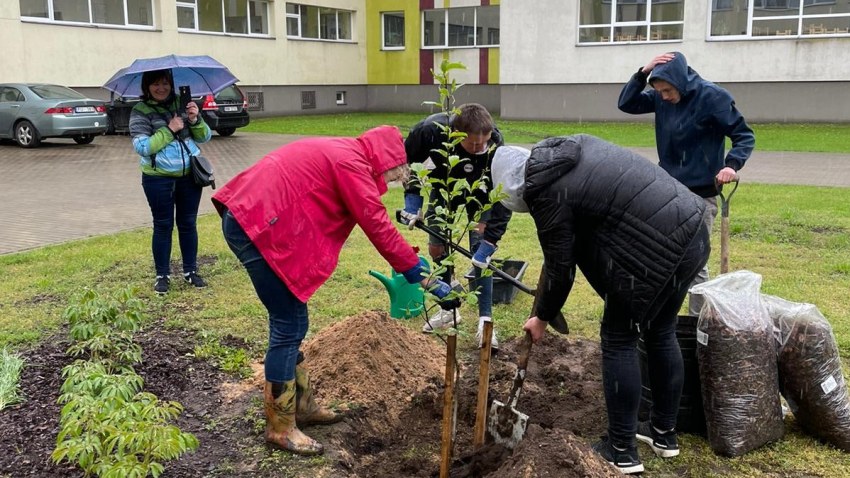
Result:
[286,218]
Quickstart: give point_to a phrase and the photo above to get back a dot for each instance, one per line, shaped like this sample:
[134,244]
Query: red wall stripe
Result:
[426,62]
[484,3]
[426,4]
[484,66]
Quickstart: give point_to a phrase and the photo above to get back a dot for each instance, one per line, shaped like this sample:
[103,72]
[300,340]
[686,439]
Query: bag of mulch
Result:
[810,374]
[737,365]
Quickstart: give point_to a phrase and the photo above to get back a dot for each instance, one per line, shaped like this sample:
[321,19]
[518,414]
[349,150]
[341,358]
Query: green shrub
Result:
[10,375]
[108,425]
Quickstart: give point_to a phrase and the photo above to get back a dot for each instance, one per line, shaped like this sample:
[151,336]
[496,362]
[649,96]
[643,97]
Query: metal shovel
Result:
[506,424]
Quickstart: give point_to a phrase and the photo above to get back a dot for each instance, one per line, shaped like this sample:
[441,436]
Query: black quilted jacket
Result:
[620,218]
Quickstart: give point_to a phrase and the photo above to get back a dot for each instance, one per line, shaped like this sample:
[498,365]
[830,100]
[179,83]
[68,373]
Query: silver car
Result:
[30,112]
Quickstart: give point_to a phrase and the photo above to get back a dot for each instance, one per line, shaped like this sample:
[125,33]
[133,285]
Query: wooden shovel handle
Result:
[524,353]
[525,346]
[724,227]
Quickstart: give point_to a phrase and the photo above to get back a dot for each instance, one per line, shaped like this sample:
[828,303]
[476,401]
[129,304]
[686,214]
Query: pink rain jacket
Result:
[299,204]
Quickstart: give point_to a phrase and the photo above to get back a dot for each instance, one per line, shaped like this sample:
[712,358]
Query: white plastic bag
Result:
[736,354]
[810,375]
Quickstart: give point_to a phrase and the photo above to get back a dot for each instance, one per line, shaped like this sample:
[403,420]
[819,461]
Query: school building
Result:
[783,60]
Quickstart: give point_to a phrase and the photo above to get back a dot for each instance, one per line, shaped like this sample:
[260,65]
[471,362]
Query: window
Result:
[340,97]
[460,27]
[318,23]
[779,18]
[308,100]
[392,28]
[255,100]
[235,17]
[10,95]
[121,13]
[629,21]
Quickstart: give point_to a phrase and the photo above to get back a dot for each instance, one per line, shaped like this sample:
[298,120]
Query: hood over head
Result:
[677,73]
[551,159]
[508,169]
[384,147]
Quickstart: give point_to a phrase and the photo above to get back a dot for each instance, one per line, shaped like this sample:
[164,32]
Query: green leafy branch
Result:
[108,425]
[456,193]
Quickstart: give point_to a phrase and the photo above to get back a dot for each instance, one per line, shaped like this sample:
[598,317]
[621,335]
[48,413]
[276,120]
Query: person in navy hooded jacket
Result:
[693,118]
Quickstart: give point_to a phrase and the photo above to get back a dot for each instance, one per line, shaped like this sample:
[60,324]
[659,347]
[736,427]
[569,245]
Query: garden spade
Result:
[724,227]
[506,424]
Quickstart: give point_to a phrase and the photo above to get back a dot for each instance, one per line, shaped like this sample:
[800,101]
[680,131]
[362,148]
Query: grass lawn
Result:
[831,138]
[796,237]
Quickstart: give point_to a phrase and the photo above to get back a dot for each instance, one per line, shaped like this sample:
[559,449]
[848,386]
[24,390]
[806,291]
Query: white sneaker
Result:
[479,335]
[442,320]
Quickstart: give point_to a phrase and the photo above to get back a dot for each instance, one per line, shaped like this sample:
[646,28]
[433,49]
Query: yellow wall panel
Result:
[392,67]
[493,66]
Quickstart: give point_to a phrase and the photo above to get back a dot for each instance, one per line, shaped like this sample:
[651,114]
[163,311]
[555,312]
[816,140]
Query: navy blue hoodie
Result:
[691,134]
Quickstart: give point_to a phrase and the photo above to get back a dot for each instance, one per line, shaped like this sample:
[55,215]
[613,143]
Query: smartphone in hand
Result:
[185,96]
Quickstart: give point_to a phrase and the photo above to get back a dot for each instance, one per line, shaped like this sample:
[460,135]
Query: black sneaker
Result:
[194,279]
[664,445]
[627,461]
[160,286]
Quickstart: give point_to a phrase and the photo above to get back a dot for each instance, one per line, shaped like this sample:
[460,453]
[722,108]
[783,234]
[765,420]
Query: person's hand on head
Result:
[658,60]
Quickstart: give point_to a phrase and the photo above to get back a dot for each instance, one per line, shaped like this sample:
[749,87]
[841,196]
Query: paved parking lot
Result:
[63,191]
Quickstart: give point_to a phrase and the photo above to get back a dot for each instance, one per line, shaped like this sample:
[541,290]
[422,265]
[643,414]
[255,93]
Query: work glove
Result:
[483,254]
[418,272]
[442,290]
[412,210]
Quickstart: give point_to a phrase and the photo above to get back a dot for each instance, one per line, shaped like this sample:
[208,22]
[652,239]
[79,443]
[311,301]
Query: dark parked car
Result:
[226,111]
[30,112]
[223,112]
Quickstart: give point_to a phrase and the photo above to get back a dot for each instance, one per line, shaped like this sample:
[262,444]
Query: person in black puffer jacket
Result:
[639,238]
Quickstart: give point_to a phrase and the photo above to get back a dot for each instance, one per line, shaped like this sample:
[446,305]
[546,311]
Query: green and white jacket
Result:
[153,139]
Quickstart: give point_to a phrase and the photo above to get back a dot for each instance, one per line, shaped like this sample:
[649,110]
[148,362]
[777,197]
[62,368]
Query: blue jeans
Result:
[288,321]
[621,367]
[170,199]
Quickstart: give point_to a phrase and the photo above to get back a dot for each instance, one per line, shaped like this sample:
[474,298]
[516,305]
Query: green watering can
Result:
[406,300]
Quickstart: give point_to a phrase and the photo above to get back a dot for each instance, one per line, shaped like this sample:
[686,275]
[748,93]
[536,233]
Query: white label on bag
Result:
[702,337]
[829,384]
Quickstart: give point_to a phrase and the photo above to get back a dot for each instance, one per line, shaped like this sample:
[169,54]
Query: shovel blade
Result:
[506,425]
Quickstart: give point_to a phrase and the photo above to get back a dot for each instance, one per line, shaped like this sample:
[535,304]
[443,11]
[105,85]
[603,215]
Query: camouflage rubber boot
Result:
[281,430]
[308,412]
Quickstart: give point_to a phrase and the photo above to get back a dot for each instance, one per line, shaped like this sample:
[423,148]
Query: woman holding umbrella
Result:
[165,140]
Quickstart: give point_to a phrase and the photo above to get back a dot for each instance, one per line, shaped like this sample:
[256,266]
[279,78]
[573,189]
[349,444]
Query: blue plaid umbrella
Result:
[202,74]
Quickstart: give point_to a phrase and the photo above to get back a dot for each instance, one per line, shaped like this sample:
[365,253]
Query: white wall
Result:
[87,56]
[539,46]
